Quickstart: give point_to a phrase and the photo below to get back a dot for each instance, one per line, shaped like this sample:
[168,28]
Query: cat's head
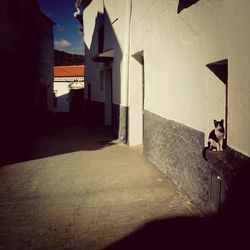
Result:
[219,124]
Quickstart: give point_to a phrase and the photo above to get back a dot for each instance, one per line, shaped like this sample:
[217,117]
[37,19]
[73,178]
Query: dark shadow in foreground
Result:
[229,229]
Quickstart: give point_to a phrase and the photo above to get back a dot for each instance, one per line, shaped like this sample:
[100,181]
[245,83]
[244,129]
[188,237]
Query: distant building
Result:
[161,71]
[68,80]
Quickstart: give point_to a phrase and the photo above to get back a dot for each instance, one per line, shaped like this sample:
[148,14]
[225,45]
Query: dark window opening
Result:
[220,69]
[183,4]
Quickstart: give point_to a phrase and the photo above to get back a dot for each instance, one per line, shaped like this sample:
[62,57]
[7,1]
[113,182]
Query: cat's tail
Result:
[205,150]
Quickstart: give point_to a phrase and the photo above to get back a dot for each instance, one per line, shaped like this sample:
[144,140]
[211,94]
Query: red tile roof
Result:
[70,71]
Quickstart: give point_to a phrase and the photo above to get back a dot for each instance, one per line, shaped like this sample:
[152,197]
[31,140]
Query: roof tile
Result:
[70,71]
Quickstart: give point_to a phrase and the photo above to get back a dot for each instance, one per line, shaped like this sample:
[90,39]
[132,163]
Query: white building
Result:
[67,79]
[164,70]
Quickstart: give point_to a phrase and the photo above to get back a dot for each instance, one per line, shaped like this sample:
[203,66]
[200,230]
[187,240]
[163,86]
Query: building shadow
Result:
[97,65]
[61,138]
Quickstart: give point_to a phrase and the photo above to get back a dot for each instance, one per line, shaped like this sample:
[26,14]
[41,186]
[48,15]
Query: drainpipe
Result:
[129,15]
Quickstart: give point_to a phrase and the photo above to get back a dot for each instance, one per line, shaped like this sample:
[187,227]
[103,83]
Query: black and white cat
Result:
[215,138]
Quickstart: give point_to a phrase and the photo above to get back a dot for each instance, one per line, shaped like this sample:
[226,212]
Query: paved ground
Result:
[81,190]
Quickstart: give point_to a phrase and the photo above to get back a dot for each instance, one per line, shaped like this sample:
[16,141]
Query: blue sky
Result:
[67,35]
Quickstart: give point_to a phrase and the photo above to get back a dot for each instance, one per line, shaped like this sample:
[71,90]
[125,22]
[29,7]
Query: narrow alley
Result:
[83,190]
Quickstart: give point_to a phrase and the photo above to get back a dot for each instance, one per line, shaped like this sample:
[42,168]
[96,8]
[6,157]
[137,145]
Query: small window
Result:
[183,4]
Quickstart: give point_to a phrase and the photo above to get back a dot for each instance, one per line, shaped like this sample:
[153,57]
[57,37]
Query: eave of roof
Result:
[105,56]
[69,71]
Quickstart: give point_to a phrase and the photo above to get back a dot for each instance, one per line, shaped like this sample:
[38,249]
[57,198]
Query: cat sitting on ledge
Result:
[215,138]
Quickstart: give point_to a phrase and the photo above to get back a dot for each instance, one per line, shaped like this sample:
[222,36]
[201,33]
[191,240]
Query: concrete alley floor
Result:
[82,190]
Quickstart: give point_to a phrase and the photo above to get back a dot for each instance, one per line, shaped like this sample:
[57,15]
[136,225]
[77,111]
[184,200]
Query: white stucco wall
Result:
[61,89]
[177,48]
[116,23]
[90,25]
[62,94]
[117,37]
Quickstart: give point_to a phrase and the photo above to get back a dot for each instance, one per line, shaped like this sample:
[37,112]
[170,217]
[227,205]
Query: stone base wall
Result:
[176,150]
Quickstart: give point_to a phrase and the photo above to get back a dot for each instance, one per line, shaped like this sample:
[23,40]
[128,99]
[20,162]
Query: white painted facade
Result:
[176,49]
[113,15]
[62,86]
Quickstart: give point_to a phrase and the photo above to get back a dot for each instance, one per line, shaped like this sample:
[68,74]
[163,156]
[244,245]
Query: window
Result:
[183,4]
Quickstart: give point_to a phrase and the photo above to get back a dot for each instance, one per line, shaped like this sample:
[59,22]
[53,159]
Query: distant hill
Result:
[63,58]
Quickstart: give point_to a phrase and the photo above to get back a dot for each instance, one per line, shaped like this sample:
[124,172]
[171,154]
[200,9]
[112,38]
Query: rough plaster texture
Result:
[176,150]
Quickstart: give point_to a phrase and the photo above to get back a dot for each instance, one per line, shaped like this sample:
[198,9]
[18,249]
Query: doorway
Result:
[76,105]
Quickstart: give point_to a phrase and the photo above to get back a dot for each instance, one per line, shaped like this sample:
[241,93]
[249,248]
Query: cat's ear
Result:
[215,123]
[222,121]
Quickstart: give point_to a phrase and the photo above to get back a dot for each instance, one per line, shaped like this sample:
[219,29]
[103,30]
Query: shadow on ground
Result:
[228,229]
[186,233]
[58,139]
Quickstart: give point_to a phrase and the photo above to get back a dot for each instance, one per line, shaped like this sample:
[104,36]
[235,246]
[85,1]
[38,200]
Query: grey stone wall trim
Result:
[176,150]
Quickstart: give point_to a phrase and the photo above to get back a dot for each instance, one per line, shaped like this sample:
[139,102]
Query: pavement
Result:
[80,189]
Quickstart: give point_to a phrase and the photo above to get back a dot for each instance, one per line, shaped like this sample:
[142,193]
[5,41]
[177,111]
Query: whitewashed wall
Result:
[116,37]
[62,95]
[177,48]
[116,28]
[93,69]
